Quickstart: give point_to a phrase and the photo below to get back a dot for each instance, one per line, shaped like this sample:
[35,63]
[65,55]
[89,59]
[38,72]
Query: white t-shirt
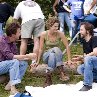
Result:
[26,12]
[87,4]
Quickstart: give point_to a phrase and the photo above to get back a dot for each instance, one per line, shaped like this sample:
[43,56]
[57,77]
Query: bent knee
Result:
[79,70]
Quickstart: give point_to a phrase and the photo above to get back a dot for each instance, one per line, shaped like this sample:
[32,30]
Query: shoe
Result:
[48,80]
[85,88]
[95,80]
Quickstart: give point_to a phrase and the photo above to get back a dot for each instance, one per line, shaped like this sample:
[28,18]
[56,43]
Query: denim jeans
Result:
[15,68]
[53,58]
[1,29]
[75,27]
[91,19]
[64,17]
[88,70]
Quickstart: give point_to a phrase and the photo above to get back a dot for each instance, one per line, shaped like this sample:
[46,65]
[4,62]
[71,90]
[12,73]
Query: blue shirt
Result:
[76,6]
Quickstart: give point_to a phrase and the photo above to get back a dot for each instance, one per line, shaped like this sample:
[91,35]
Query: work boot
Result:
[48,80]
[63,77]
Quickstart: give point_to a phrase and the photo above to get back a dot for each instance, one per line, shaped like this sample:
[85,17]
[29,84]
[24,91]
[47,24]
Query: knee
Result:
[15,63]
[87,60]
[24,64]
[51,54]
[57,50]
[79,70]
[24,41]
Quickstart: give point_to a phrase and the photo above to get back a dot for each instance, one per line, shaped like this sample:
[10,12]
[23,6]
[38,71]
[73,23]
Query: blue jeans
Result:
[91,19]
[1,29]
[15,68]
[88,70]
[75,27]
[53,58]
[64,17]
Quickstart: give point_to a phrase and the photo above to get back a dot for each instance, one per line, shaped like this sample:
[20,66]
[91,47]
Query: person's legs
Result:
[11,66]
[1,29]
[36,46]
[59,63]
[38,29]
[22,68]
[61,17]
[68,22]
[74,29]
[95,75]
[90,64]
[26,33]
[49,59]
[23,46]
[80,69]
[91,19]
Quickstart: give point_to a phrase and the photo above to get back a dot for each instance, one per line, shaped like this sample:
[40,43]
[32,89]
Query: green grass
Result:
[32,80]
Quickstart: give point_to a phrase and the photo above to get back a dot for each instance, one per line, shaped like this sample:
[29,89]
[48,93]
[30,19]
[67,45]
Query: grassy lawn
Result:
[30,79]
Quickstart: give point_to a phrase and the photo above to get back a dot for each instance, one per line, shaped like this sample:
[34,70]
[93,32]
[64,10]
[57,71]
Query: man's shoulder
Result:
[3,39]
[94,37]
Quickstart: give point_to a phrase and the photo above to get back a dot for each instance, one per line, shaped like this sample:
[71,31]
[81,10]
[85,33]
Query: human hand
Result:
[56,14]
[77,58]
[71,64]
[33,66]
[87,12]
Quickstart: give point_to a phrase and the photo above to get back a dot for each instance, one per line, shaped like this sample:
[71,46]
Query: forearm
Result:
[68,53]
[54,9]
[20,57]
[92,5]
[25,57]
[92,54]
[39,56]
[66,8]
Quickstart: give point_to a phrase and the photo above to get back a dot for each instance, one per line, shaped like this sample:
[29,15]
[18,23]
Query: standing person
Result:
[89,11]
[50,48]
[6,11]
[32,23]
[10,61]
[89,68]
[63,15]
[77,14]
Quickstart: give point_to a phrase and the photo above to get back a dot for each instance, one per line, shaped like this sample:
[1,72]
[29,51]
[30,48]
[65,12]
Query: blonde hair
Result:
[50,22]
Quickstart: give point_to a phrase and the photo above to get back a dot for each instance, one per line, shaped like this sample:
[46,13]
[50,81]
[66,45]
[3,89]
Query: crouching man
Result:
[89,68]
[10,61]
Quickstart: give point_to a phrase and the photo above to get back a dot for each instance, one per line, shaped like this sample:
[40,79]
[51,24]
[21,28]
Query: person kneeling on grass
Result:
[10,61]
[52,54]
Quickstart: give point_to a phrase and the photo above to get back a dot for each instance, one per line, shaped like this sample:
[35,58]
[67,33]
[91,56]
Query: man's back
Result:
[27,11]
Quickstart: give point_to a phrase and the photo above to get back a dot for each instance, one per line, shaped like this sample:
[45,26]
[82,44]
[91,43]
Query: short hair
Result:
[50,22]
[89,27]
[12,28]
